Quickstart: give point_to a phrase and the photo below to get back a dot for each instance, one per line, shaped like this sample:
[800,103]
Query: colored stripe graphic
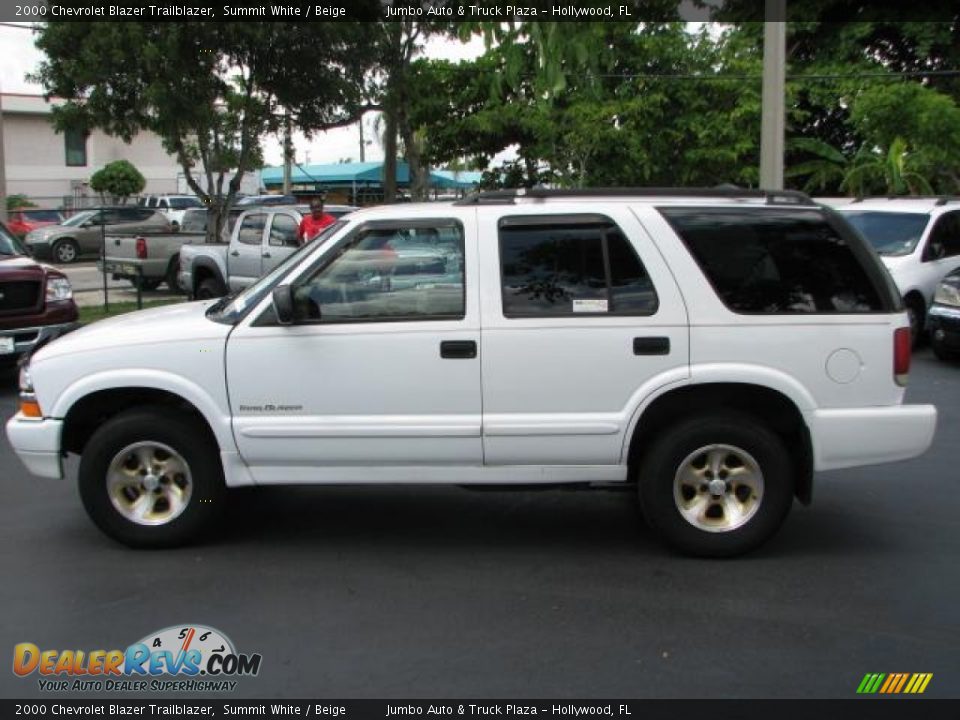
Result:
[894,683]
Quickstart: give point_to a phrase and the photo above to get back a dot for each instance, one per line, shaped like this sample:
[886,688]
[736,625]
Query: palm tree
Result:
[827,167]
[895,171]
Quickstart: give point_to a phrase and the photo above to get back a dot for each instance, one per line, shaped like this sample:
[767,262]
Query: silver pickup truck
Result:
[149,259]
[260,240]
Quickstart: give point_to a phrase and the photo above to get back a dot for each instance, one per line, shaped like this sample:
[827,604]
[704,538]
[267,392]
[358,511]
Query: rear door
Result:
[280,240]
[581,318]
[245,256]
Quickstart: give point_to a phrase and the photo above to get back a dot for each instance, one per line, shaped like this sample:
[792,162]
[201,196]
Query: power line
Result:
[757,76]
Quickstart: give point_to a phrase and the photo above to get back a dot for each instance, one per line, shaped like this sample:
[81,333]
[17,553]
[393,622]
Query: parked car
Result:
[918,240]
[266,200]
[173,206]
[709,350]
[36,301]
[82,233]
[149,259]
[24,220]
[943,321]
[261,238]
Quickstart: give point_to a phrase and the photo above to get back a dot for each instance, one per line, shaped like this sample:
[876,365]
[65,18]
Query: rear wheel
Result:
[942,351]
[173,282]
[142,283]
[210,288]
[65,251]
[151,478]
[716,486]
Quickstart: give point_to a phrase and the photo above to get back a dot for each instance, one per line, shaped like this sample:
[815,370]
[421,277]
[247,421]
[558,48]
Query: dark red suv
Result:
[36,301]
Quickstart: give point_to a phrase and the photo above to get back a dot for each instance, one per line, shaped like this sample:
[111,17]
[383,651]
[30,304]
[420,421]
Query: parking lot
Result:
[441,592]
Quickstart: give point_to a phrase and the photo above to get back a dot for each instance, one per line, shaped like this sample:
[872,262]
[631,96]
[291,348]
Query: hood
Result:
[20,267]
[180,323]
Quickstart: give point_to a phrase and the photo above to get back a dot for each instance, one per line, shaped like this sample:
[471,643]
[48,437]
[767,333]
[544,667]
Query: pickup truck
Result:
[149,259]
[261,238]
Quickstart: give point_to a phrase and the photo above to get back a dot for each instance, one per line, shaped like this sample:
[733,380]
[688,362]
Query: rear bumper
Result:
[868,436]
[25,339]
[37,444]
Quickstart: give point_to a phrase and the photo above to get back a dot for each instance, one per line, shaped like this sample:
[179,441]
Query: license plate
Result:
[6,346]
[120,268]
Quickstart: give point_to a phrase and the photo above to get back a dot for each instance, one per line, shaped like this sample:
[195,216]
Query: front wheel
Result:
[151,478]
[716,486]
[210,288]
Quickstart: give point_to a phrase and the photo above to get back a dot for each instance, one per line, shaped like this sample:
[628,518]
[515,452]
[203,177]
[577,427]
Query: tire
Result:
[942,352]
[145,283]
[917,312]
[209,289]
[171,279]
[112,483]
[65,251]
[739,517]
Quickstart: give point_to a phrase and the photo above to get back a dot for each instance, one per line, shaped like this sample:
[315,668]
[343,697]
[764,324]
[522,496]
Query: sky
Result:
[18,57]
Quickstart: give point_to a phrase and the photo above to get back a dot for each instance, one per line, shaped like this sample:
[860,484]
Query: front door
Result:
[281,240]
[380,369]
[245,257]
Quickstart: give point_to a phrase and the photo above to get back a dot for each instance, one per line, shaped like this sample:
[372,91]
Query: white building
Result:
[54,169]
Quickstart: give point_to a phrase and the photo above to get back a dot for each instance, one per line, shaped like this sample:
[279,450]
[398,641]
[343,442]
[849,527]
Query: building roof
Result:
[365,173]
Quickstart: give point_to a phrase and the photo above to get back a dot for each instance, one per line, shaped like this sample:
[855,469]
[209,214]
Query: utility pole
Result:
[773,100]
[287,154]
[362,142]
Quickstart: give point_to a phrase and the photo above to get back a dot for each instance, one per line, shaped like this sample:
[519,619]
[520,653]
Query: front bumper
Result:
[868,436]
[25,339]
[943,323]
[37,444]
[40,250]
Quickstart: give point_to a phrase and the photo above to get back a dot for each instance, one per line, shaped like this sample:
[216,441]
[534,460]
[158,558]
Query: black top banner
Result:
[487,709]
[469,10]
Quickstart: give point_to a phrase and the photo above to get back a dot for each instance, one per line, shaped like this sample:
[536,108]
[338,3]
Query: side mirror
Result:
[283,304]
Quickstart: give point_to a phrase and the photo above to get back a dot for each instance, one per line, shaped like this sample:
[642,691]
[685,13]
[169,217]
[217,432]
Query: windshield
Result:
[180,203]
[80,218]
[8,243]
[232,308]
[890,233]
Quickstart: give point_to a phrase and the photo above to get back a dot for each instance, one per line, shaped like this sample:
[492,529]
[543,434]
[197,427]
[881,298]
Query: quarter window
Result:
[571,266]
[389,273]
[778,261]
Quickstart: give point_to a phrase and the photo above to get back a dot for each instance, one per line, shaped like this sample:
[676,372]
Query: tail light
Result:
[142,248]
[902,341]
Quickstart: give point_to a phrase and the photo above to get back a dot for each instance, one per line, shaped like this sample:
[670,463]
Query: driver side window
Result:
[388,273]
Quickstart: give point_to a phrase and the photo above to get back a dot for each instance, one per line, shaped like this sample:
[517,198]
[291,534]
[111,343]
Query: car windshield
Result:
[232,308]
[8,243]
[889,233]
[80,218]
[181,203]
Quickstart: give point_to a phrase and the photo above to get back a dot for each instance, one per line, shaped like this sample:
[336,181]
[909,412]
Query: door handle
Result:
[651,346]
[458,349]
[266,255]
[235,253]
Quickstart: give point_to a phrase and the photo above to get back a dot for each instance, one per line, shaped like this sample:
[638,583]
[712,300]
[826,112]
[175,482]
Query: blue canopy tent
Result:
[359,183]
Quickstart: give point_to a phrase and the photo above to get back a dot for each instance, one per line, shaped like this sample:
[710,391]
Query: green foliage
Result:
[892,173]
[119,179]
[19,202]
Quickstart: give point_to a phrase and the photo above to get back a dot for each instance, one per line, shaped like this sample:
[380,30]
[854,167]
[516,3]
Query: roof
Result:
[364,173]
[901,204]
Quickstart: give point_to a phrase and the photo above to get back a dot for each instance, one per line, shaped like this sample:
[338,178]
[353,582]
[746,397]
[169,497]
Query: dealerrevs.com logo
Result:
[178,658]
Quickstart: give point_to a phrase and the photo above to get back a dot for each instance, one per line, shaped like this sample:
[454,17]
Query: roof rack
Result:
[772,197]
[940,199]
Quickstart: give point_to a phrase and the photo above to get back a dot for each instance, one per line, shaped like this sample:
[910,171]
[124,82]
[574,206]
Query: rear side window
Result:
[574,265]
[781,261]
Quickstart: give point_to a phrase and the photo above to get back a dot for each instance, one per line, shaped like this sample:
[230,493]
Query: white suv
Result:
[711,348]
[173,206]
[918,240]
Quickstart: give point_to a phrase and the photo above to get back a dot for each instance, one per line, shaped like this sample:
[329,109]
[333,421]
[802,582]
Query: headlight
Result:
[26,382]
[58,288]
[947,294]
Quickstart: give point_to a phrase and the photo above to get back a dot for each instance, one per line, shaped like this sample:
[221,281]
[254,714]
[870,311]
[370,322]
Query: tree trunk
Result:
[390,148]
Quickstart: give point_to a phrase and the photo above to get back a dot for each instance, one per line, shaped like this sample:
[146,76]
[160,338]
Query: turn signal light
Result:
[902,341]
[29,407]
[141,248]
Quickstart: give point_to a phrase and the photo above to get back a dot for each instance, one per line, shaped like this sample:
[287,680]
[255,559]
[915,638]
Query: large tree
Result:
[211,91]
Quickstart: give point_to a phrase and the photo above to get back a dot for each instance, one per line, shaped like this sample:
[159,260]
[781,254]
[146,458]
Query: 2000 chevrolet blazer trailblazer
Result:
[712,348]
